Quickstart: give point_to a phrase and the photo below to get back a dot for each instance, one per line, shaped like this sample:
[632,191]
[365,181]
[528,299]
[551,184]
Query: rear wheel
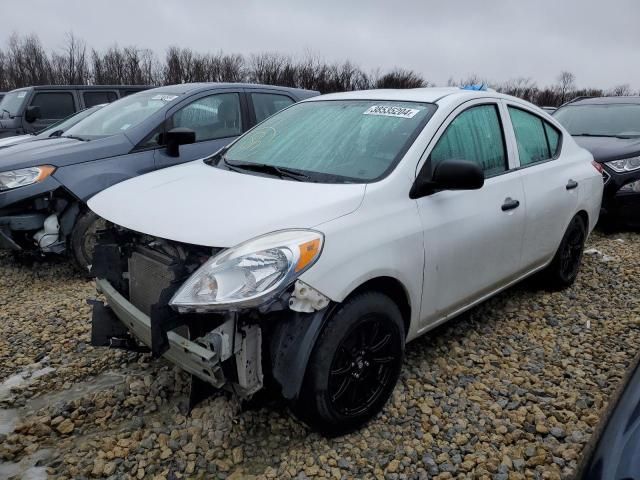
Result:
[354,366]
[83,239]
[563,269]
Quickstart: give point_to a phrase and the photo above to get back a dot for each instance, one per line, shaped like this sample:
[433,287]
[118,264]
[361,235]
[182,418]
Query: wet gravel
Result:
[514,389]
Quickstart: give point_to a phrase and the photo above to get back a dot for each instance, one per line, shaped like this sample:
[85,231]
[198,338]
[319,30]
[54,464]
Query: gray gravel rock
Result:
[513,389]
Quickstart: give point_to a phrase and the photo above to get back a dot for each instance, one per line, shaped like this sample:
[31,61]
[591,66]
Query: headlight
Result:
[24,176]
[246,275]
[625,165]
[633,187]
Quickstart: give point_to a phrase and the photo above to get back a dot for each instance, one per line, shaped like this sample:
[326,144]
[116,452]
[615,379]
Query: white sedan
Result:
[305,255]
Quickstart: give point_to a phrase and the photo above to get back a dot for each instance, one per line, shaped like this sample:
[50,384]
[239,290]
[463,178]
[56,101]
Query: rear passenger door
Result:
[54,106]
[472,238]
[264,103]
[551,183]
[92,98]
[216,118]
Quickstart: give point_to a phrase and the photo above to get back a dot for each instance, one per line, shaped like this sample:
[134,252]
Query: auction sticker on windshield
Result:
[164,98]
[391,111]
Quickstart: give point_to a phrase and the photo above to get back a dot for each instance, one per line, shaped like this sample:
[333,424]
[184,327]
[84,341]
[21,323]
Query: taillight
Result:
[597,166]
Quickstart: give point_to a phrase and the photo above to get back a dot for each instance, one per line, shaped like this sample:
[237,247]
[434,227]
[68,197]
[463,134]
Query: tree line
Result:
[25,61]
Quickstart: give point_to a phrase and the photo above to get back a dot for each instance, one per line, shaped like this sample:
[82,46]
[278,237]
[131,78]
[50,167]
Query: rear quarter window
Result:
[537,140]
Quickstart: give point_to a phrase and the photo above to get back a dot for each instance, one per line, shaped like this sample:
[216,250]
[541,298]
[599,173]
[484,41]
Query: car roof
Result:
[427,94]
[604,100]
[199,87]
[81,87]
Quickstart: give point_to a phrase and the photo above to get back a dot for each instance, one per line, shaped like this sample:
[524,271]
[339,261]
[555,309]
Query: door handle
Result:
[510,204]
[572,184]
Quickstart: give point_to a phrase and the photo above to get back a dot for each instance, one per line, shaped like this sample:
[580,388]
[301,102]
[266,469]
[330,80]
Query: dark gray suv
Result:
[45,184]
[32,109]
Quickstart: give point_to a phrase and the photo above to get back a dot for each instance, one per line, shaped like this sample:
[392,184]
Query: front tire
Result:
[83,239]
[563,269]
[354,366]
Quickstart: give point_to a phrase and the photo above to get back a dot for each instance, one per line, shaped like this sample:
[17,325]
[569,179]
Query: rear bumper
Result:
[202,362]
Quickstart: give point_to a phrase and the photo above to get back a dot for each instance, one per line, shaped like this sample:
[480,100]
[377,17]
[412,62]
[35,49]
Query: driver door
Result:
[217,119]
[472,238]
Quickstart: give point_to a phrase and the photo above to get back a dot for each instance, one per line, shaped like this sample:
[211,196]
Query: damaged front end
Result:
[159,296]
[41,224]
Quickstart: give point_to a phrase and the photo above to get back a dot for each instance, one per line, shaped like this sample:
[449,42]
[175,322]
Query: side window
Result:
[266,104]
[54,105]
[553,137]
[96,98]
[537,140]
[215,116]
[474,135]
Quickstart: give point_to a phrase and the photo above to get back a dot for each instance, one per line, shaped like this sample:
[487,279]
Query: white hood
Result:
[203,205]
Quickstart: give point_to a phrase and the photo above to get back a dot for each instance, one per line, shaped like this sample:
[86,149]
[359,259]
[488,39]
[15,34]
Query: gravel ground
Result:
[511,390]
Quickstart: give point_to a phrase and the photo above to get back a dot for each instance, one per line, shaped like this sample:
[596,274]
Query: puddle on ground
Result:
[78,390]
[26,377]
[8,420]
[29,468]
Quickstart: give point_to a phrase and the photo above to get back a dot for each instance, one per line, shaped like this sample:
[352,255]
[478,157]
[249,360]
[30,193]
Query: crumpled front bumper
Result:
[202,358]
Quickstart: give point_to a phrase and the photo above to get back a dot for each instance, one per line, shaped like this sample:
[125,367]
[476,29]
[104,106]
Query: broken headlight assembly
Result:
[248,274]
[24,176]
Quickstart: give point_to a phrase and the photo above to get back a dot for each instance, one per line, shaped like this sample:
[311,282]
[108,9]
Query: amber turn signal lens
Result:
[45,171]
[308,252]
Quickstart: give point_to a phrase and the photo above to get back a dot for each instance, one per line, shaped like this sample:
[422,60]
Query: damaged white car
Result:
[305,255]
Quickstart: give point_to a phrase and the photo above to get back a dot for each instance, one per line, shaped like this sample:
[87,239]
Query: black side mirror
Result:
[32,113]
[176,137]
[449,175]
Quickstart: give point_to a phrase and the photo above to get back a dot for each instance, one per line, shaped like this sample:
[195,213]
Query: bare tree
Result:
[71,67]
[400,78]
[566,85]
[621,90]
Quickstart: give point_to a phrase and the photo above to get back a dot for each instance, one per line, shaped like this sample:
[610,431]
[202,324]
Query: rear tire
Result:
[354,366]
[563,269]
[83,240]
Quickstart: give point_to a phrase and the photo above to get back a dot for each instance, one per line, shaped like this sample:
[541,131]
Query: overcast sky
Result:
[498,39]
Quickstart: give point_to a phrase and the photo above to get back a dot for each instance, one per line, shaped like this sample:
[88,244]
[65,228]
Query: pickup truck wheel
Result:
[83,239]
[354,366]
[563,269]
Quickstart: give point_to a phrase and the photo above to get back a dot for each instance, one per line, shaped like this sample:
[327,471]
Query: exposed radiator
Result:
[148,277]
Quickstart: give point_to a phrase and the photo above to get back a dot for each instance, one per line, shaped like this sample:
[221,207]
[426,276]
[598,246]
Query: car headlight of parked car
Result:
[24,176]
[625,165]
[247,274]
[633,187]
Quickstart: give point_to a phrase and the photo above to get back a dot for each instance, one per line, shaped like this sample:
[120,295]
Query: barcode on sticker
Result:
[390,111]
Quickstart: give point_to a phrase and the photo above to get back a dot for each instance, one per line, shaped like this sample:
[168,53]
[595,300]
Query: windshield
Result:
[66,123]
[337,141]
[11,103]
[120,115]
[612,120]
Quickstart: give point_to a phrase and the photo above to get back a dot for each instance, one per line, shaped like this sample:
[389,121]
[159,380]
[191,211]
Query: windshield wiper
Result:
[601,135]
[282,172]
[7,111]
[73,137]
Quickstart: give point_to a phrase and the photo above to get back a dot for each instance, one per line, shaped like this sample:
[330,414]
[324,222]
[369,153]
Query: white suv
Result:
[305,255]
